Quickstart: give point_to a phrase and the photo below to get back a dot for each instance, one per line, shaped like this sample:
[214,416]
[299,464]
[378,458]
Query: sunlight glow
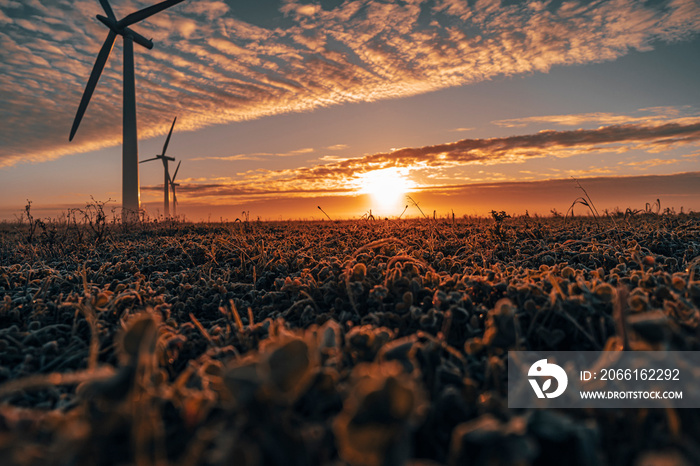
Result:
[387,189]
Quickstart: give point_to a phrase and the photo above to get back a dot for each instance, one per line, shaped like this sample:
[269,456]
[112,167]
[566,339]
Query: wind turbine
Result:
[172,186]
[130,157]
[166,178]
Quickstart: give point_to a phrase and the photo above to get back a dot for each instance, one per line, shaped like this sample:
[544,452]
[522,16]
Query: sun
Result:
[387,188]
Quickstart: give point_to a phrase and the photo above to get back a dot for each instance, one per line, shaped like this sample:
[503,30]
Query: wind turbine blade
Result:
[148,160]
[176,169]
[108,9]
[167,140]
[146,12]
[92,81]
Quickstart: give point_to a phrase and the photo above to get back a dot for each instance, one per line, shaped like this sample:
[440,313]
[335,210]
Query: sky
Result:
[284,106]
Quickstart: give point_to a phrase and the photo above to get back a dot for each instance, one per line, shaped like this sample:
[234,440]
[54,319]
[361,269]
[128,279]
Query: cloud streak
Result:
[210,66]
[653,115]
[258,155]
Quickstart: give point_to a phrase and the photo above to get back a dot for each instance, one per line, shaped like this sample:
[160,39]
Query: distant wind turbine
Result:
[172,186]
[166,177]
[130,156]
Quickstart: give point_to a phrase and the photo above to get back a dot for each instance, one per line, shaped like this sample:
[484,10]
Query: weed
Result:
[585,201]
[96,219]
[324,212]
[368,215]
[49,233]
[498,229]
[415,204]
[33,223]
[654,208]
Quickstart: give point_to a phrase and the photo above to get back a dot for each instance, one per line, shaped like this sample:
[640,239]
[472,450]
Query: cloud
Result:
[513,148]
[210,10]
[653,163]
[306,150]
[332,158]
[222,192]
[259,155]
[646,115]
[339,176]
[212,67]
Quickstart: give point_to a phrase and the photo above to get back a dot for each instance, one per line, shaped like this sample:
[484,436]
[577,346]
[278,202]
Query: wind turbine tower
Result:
[172,187]
[166,178]
[130,156]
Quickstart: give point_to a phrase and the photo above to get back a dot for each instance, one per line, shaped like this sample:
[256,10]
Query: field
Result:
[367,342]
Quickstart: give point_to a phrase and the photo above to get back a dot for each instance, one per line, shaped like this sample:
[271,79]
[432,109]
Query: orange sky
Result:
[537,197]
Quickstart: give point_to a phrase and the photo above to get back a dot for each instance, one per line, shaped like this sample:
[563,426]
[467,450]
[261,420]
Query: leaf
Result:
[546,385]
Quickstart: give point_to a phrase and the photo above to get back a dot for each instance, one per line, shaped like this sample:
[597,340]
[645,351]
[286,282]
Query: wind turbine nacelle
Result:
[125,31]
[138,38]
